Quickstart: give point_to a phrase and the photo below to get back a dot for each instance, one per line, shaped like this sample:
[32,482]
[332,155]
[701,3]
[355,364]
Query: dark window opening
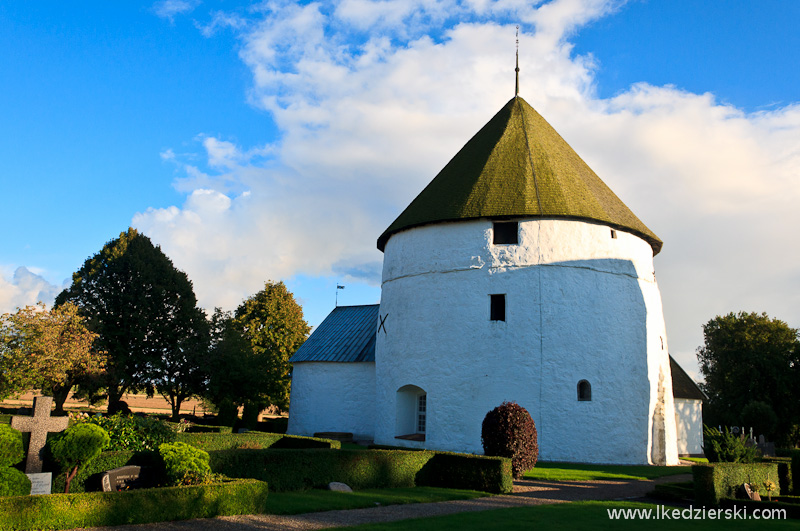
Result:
[613,234]
[584,391]
[497,311]
[505,233]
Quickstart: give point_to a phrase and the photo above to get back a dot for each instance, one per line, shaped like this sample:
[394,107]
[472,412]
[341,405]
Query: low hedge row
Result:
[253,440]
[785,472]
[67,511]
[315,468]
[715,481]
[206,428]
[795,457]
[88,477]
[464,471]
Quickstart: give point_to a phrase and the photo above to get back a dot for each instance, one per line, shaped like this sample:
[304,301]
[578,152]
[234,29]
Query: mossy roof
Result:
[518,166]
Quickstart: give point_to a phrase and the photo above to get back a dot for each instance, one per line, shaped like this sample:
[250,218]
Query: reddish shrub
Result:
[508,431]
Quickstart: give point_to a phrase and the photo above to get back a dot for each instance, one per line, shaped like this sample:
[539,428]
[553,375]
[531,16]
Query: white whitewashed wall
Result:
[689,419]
[331,396]
[580,305]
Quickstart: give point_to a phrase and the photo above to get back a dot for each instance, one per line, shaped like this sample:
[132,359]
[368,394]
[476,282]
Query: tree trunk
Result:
[176,402]
[227,413]
[70,477]
[60,395]
[114,395]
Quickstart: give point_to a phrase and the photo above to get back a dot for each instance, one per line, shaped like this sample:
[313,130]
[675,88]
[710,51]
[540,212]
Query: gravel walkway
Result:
[526,493]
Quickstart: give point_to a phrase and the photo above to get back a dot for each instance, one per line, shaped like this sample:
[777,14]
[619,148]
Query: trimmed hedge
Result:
[202,428]
[287,470]
[715,481]
[795,455]
[315,468]
[67,511]
[253,440]
[465,471]
[785,473]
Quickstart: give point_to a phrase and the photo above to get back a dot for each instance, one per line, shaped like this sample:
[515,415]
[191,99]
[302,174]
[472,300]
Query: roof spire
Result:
[516,70]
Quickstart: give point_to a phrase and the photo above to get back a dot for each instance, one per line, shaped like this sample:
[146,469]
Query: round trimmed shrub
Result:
[508,431]
[76,446]
[13,482]
[11,449]
[185,464]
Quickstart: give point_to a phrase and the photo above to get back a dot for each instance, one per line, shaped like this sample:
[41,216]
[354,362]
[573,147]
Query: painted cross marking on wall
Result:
[38,425]
[383,323]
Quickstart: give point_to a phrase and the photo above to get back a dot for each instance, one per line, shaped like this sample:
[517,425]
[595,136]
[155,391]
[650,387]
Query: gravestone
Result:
[121,478]
[747,492]
[39,425]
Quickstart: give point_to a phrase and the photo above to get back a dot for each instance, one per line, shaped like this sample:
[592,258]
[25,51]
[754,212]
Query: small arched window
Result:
[584,391]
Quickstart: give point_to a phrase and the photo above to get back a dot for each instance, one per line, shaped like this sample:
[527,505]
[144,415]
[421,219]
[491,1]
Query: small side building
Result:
[333,375]
[689,400]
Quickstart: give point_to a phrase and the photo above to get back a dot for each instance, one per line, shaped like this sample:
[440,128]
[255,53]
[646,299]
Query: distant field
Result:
[137,402]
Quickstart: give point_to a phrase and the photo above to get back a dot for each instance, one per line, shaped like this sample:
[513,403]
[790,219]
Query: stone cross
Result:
[39,425]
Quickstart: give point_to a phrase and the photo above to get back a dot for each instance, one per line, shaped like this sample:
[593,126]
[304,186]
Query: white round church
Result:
[515,275]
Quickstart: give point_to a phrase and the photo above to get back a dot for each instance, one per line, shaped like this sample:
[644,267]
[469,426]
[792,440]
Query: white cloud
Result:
[25,287]
[168,9]
[372,99]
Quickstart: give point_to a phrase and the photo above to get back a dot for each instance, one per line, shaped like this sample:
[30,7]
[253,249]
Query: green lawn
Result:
[695,459]
[298,502]
[584,472]
[578,516]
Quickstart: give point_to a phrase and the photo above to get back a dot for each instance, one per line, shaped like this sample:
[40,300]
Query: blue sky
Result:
[277,140]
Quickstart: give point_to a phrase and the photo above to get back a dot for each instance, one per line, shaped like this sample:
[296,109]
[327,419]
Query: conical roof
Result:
[517,165]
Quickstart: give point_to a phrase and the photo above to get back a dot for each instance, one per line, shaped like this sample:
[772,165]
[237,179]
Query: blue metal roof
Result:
[346,335]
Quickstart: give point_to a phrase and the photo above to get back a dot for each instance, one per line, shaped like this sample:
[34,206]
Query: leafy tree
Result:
[272,321]
[230,368]
[759,416]
[55,348]
[746,357]
[17,373]
[146,314]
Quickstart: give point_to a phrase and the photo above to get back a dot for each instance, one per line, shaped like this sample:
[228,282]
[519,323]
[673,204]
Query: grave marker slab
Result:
[121,478]
[39,425]
[41,483]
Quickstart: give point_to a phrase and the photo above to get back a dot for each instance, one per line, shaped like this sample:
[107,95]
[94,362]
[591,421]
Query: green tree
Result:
[54,347]
[272,321]
[750,356]
[231,379]
[17,373]
[146,315]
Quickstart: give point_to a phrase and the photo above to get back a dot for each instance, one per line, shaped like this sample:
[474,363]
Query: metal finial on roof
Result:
[516,70]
